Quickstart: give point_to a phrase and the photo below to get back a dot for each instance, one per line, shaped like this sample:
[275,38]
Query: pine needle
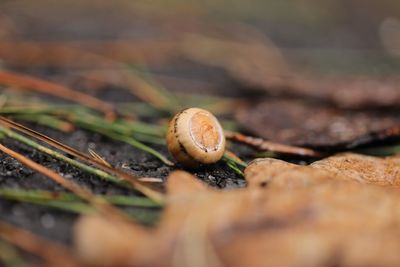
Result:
[97,202]
[88,169]
[47,120]
[25,82]
[46,196]
[98,157]
[156,196]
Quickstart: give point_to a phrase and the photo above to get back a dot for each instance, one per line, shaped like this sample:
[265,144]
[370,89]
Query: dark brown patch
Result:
[309,124]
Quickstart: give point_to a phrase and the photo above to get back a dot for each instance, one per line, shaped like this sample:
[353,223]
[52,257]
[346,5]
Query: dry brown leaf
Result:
[105,242]
[347,166]
[302,123]
[366,169]
[304,217]
[268,172]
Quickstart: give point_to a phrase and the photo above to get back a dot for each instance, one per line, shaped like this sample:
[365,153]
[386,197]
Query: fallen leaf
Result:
[366,169]
[303,217]
[341,167]
[268,172]
[315,125]
[102,241]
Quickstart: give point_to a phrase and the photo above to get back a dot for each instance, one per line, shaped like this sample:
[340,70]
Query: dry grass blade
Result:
[361,168]
[48,121]
[97,202]
[264,145]
[53,254]
[26,82]
[98,157]
[154,195]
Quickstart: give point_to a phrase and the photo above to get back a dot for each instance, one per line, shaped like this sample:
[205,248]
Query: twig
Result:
[264,145]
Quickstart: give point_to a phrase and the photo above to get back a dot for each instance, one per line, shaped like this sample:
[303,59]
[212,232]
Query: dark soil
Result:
[57,225]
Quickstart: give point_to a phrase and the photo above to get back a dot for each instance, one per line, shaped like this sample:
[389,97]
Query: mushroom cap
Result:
[195,137]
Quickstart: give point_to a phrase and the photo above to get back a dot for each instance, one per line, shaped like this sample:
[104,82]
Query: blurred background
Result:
[330,36]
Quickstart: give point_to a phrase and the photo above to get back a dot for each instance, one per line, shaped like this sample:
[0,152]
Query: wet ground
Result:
[55,224]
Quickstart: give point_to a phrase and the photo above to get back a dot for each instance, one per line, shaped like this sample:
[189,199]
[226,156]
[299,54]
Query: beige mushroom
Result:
[195,137]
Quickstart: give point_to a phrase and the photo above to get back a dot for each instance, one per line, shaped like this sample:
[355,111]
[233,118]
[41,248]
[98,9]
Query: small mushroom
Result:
[195,137]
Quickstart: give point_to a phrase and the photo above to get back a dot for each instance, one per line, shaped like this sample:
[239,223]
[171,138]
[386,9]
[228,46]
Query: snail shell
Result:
[195,137]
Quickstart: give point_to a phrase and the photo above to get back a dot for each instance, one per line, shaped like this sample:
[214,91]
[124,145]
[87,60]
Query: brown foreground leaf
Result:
[342,167]
[299,216]
[310,124]
[366,169]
